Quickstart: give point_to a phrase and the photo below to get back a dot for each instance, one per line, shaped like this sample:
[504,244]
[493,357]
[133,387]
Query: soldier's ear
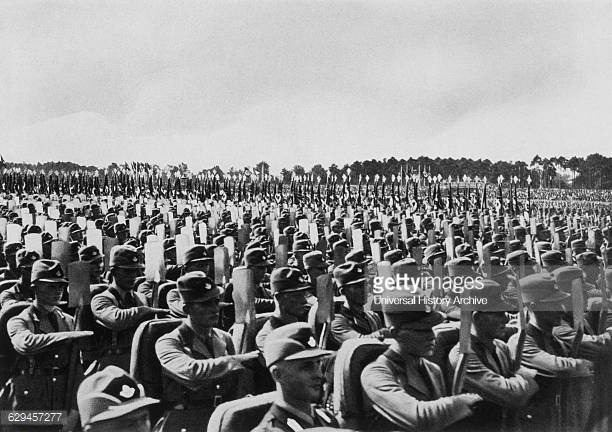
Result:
[276,372]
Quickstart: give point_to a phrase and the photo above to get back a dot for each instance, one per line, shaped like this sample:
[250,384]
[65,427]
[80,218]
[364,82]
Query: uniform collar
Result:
[306,417]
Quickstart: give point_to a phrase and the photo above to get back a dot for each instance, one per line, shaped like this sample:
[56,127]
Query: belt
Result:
[52,372]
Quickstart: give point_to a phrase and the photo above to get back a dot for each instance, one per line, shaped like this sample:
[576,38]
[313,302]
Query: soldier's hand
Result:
[382,333]
[584,367]
[527,372]
[468,402]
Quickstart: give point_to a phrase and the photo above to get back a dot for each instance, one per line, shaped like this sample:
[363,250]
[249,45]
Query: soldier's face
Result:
[355,294]
[302,379]
[137,421]
[259,273]
[203,266]
[418,342]
[96,268]
[204,314]
[125,278]
[491,324]
[295,303]
[49,293]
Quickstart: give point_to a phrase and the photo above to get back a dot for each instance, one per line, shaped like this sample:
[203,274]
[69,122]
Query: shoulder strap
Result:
[186,334]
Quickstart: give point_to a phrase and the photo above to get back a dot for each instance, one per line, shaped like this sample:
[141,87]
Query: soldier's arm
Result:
[548,365]
[187,370]
[6,299]
[512,392]
[394,403]
[27,342]
[341,330]
[146,290]
[114,317]
[592,347]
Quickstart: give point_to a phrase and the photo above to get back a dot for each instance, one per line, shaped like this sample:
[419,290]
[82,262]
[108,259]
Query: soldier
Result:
[408,391]
[10,251]
[119,310]
[255,259]
[92,255]
[490,368]
[542,350]
[39,335]
[201,368]
[352,321]
[111,401]
[291,294]
[315,265]
[21,291]
[296,366]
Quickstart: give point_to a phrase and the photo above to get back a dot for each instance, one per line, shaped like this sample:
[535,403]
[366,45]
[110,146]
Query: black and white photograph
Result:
[305,215]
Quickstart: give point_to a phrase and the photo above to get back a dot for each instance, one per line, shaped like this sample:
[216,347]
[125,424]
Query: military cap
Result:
[432,252]
[514,258]
[90,253]
[539,288]
[405,307]
[358,257]
[461,266]
[498,238]
[333,238]
[263,240]
[413,242]
[132,242]
[492,292]
[375,225]
[493,249]
[287,279]
[406,266]
[12,248]
[336,223]
[341,244]
[47,238]
[228,232]
[197,253]
[587,258]
[253,244]
[169,244]
[110,394]
[25,257]
[289,231]
[120,227]
[256,258]
[515,245]
[464,250]
[348,273]
[196,287]
[392,256]
[301,245]
[299,235]
[543,246]
[564,275]
[126,257]
[32,229]
[45,270]
[552,258]
[291,342]
[259,231]
[314,259]
[520,231]
[218,241]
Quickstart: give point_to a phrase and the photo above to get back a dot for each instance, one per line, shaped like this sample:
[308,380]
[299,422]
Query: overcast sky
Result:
[303,82]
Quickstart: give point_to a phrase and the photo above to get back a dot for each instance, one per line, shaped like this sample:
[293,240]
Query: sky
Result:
[303,82]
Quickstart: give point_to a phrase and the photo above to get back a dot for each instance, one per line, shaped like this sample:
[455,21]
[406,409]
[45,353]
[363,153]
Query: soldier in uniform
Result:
[21,291]
[296,366]
[10,251]
[91,254]
[200,366]
[291,294]
[490,368]
[119,310]
[111,401]
[315,265]
[406,390]
[543,351]
[42,337]
[352,321]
